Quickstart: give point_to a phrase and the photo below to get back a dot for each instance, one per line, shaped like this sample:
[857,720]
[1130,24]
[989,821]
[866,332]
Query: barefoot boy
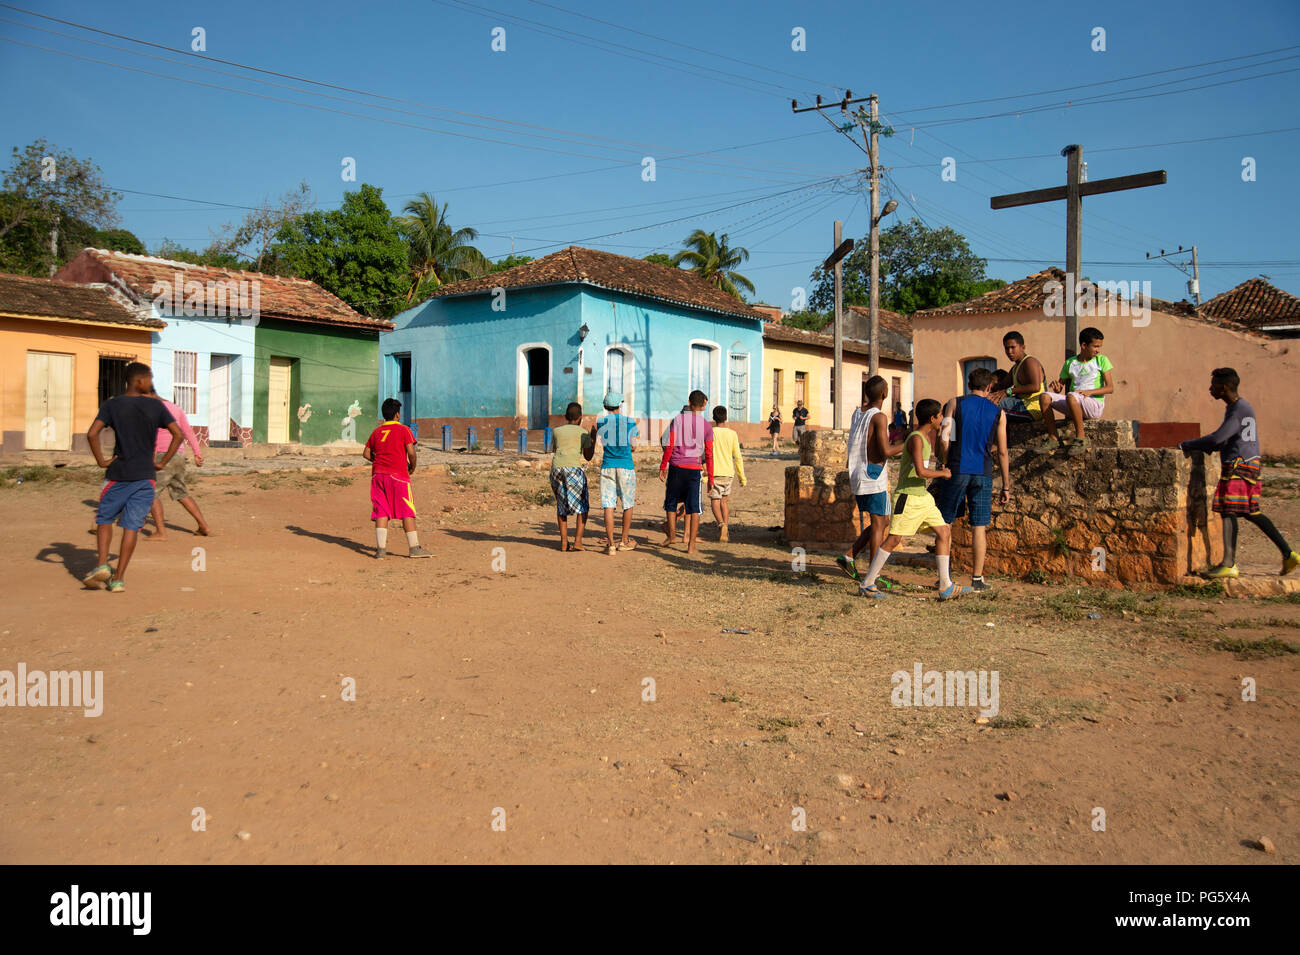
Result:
[1240,483]
[689,439]
[390,449]
[727,467]
[617,470]
[172,477]
[135,418]
[573,444]
[1080,393]
[869,451]
[914,508]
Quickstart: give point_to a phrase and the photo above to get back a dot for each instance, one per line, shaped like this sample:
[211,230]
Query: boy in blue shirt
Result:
[617,471]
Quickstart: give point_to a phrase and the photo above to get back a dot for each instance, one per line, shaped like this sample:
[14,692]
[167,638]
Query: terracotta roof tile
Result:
[280,296]
[51,298]
[619,273]
[1256,304]
[773,331]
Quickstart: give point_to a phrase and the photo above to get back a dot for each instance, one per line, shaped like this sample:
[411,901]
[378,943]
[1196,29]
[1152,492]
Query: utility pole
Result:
[842,248]
[1194,286]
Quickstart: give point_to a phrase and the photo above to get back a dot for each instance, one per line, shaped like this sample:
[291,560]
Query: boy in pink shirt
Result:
[688,450]
[172,475]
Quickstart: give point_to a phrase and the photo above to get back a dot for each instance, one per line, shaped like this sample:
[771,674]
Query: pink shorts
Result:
[390,498]
[1092,408]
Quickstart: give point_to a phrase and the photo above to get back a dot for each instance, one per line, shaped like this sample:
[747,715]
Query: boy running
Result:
[727,466]
[869,450]
[172,477]
[617,470]
[689,439]
[1240,483]
[390,449]
[1080,392]
[128,491]
[569,477]
[914,508]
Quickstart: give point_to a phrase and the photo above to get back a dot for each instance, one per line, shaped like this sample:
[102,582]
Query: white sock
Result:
[944,580]
[412,538]
[877,565]
[381,535]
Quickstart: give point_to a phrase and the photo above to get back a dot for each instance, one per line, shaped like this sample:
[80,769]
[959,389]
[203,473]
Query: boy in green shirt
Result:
[1081,391]
[573,443]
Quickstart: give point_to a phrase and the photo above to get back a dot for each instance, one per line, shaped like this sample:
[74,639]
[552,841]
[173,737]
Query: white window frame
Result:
[629,377]
[521,378]
[715,361]
[185,393]
[749,387]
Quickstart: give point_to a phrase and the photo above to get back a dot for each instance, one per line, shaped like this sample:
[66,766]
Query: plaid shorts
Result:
[570,487]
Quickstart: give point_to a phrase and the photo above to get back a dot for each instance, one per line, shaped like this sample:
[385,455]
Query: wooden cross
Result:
[1073,192]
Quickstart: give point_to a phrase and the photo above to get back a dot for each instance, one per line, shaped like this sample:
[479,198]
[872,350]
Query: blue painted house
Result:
[512,349]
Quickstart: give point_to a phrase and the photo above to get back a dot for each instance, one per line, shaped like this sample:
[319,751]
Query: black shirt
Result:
[800,416]
[135,420]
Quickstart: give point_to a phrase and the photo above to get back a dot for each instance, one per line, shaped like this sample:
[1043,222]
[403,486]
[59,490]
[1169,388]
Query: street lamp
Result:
[890,206]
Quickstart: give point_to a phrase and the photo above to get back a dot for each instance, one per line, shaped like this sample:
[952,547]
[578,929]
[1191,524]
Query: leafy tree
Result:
[715,261]
[812,321]
[354,252]
[211,256]
[436,254]
[260,226]
[919,268]
[509,262]
[660,258]
[44,192]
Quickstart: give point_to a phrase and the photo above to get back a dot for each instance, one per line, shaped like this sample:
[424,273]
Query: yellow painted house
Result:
[799,365]
[63,348]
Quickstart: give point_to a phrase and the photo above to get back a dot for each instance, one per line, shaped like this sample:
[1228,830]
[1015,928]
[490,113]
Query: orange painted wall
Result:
[83,341]
[1162,370]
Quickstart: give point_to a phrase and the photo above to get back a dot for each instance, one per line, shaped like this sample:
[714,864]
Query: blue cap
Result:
[613,399]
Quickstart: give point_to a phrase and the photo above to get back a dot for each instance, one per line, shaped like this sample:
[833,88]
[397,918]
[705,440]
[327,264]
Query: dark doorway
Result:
[112,377]
[539,387]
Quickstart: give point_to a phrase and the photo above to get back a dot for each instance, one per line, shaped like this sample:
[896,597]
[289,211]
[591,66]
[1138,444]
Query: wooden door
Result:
[49,401]
[280,387]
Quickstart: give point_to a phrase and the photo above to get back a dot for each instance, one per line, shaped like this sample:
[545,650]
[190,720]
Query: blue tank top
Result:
[974,419]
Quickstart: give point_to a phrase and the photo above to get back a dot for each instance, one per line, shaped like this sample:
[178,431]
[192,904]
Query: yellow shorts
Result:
[912,512]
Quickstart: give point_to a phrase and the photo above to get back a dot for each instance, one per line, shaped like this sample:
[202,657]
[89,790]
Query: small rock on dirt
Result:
[898,751]
[1265,844]
[1008,796]
[245,836]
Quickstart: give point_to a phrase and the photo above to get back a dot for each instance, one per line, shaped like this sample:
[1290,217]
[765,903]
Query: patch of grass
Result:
[462,480]
[1269,623]
[730,698]
[43,473]
[1255,649]
[779,738]
[1285,599]
[1035,576]
[1059,546]
[1199,591]
[1020,722]
[779,722]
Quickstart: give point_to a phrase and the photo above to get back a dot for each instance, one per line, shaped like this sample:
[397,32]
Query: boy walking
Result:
[687,452]
[573,444]
[976,422]
[390,449]
[1240,483]
[617,470]
[914,508]
[869,451]
[172,477]
[1080,393]
[129,474]
[727,467]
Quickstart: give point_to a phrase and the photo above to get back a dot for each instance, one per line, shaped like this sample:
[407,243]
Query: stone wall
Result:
[1147,509]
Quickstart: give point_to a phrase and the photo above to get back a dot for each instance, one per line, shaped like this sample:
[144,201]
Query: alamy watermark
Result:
[1122,299]
[946,688]
[227,299]
[80,688]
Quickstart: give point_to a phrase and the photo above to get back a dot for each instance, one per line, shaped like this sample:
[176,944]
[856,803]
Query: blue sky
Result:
[705,90]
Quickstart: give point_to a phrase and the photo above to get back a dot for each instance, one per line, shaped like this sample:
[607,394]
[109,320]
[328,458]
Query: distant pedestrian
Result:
[774,428]
[800,416]
[727,467]
[173,476]
[573,444]
[390,449]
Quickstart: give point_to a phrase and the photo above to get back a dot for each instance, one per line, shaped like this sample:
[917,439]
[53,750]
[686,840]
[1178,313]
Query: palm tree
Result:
[714,261]
[437,254]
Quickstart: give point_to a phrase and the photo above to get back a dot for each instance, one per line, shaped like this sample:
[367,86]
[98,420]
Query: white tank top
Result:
[859,433]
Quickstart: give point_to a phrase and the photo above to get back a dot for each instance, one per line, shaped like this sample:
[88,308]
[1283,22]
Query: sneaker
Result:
[1221,572]
[872,591]
[1290,563]
[96,578]
[116,586]
[418,551]
[381,552]
[953,591]
[979,585]
[609,549]
[888,584]
[846,565]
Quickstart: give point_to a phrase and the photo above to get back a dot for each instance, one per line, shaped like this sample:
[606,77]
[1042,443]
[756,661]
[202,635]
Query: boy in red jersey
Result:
[391,453]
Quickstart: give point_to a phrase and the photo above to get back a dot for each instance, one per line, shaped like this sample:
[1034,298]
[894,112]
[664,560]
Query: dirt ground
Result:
[516,692]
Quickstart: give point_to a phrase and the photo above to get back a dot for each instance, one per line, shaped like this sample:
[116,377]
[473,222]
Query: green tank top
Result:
[909,482]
